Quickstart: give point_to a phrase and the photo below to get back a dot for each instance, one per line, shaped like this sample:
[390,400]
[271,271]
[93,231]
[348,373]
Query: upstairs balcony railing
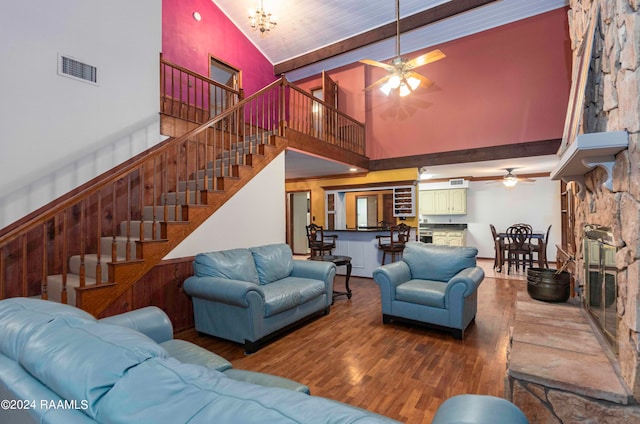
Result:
[77,242]
[187,95]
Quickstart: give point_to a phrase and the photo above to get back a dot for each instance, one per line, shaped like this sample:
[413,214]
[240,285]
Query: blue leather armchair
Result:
[478,409]
[432,285]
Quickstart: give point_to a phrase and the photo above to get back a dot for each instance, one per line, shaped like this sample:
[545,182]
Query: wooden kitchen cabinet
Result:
[443,202]
[427,202]
[450,237]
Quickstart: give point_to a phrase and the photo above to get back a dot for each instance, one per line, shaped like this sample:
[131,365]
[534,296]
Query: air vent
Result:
[72,68]
[458,182]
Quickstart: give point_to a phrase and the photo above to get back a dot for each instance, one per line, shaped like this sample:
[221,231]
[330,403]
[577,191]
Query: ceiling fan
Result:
[401,75]
[511,179]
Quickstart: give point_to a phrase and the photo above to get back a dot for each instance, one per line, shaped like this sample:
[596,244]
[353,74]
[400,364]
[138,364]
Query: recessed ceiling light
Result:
[353,169]
[197,16]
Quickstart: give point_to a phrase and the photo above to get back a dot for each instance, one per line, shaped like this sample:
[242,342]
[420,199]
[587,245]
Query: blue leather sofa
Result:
[59,365]
[252,295]
[432,285]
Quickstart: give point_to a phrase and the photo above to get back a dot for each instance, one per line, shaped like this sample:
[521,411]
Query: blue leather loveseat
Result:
[252,295]
[59,365]
[432,285]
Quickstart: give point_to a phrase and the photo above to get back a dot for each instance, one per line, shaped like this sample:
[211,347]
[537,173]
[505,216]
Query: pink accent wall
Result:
[503,86]
[188,42]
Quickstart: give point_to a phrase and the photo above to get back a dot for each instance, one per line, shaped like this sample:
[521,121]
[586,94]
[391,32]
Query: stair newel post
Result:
[82,273]
[141,202]
[165,184]
[154,204]
[65,258]
[196,167]
[214,154]
[43,287]
[114,228]
[99,238]
[206,159]
[281,108]
[187,162]
[128,225]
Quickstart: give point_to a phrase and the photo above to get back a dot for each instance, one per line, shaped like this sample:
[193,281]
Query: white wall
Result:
[58,133]
[252,217]
[536,203]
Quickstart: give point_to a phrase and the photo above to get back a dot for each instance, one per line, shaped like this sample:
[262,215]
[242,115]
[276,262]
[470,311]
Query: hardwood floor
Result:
[404,372]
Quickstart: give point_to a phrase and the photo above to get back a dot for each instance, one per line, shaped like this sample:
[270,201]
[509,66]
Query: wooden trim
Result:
[385,184]
[535,148]
[327,177]
[309,144]
[383,32]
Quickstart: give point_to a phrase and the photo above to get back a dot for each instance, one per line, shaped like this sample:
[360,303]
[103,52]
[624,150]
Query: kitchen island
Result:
[362,246]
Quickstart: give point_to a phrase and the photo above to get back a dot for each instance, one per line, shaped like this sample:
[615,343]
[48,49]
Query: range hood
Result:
[588,151]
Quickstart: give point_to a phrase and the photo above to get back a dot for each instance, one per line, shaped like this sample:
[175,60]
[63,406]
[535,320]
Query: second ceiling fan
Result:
[401,75]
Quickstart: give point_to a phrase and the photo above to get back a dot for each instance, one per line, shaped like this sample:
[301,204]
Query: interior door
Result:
[330,96]
[220,99]
[299,218]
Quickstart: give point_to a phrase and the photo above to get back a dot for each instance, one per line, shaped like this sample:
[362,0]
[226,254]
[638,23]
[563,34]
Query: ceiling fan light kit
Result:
[402,79]
[510,181]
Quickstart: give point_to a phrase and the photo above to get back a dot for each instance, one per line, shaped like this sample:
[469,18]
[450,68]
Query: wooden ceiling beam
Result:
[420,19]
[481,154]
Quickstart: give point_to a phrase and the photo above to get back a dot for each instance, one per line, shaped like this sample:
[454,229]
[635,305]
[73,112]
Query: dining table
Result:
[504,240]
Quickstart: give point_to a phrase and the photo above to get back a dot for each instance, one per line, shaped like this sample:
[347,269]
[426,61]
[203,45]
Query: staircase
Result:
[87,281]
[90,246]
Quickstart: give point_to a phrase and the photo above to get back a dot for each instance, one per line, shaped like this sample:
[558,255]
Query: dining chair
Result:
[540,249]
[500,248]
[318,242]
[519,249]
[394,243]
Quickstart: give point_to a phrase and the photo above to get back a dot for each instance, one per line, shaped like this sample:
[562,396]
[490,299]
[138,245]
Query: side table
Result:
[339,261]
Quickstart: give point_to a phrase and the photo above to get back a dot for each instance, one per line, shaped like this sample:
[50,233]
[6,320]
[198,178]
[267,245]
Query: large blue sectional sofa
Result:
[252,295]
[59,365]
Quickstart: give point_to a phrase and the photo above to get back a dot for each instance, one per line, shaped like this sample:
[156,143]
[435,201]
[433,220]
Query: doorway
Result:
[299,211]
[227,75]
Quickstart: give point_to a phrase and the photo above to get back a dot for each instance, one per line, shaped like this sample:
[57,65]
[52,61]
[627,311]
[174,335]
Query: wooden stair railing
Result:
[90,246]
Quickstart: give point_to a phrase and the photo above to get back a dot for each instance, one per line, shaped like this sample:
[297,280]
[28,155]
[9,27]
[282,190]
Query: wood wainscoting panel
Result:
[161,287]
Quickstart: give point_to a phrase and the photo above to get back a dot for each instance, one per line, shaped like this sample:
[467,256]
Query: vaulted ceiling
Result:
[316,35]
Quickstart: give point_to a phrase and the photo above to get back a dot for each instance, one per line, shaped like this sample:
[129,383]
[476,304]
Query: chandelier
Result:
[261,20]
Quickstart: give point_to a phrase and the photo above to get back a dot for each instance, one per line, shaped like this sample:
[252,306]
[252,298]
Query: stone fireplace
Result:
[606,187]
[610,197]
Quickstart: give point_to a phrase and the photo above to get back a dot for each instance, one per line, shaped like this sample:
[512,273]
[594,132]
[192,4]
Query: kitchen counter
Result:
[360,230]
[362,246]
[443,225]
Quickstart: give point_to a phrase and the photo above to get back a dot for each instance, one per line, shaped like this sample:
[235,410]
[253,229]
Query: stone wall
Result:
[612,103]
